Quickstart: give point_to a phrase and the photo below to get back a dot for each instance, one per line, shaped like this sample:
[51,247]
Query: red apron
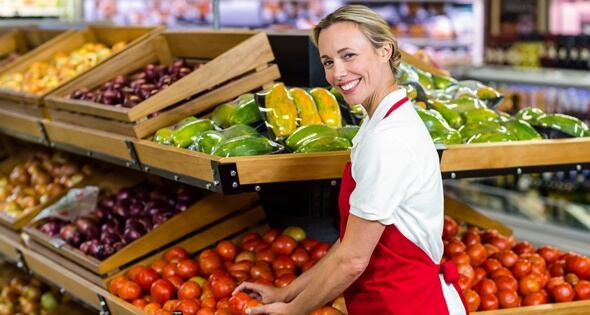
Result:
[400,278]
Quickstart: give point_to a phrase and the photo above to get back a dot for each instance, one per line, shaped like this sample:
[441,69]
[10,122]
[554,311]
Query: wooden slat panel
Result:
[211,43]
[290,167]
[9,243]
[207,101]
[180,161]
[20,123]
[89,139]
[568,308]
[85,107]
[249,55]
[93,122]
[465,157]
[8,43]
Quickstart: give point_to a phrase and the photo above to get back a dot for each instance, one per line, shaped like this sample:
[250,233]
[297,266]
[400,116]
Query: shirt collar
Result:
[386,103]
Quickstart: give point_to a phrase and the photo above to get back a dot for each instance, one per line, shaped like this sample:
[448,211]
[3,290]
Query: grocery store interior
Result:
[156,154]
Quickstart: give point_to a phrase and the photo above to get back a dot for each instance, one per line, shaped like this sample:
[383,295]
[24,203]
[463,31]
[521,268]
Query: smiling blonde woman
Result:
[387,259]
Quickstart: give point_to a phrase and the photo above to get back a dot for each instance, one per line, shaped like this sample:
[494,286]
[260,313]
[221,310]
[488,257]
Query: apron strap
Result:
[451,276]
[396,105]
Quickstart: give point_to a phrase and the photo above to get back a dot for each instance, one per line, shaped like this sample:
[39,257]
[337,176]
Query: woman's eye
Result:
[348,56]
[327,63]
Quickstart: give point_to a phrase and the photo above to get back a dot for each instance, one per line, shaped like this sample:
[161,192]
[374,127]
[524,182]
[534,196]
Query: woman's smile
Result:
[348,87]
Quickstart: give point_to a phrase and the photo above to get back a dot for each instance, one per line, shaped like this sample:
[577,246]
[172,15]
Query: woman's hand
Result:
[273,309]
[267,294]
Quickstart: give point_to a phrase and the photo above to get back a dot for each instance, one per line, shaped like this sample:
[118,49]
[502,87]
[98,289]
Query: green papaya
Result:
[184,122]
[564,123]
[163,136]
[222,113]
[309,132]
[411,91]
[463,104]
[348,132]
[337,95]
[425,79]
[522,130]
[452,117]
[443,82]
[529,114]
[449,137]
[486,93]
[470,129]
[406,73]
[486,137]
[357,110]
[183,136]
[433,120]
[504,117]
[244,146]
[324,144]
[239,130]
[246,111]
[207,140]
[480,114]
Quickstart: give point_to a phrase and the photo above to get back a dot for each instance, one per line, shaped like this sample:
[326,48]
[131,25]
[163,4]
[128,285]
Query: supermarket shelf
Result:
[435,42]
[549,77]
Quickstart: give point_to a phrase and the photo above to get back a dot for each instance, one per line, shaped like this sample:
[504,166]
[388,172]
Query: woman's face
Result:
[353,65]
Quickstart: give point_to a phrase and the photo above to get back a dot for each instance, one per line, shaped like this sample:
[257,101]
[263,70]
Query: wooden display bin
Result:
[235,62]
[10,244]
[23,40]
[70,40]
[208,212]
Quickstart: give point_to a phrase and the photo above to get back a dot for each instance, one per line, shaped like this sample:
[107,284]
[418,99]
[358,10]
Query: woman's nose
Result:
[339,70]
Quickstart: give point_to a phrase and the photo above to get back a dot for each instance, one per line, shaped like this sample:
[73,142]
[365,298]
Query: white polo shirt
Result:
[398,181]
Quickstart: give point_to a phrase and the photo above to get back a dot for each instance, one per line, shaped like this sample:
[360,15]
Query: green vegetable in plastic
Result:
[529,114]
[163,136]
[480,114]
[244,146]
[522,130]
[452,117]
[239,130]
[564,123]
[306,133]
[183,136]
[207,140]
[325,144]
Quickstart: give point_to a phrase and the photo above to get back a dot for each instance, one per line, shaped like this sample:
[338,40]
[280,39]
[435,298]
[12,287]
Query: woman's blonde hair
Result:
[371,24]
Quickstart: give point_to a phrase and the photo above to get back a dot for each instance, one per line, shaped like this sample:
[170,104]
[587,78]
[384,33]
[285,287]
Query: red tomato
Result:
[521,268]
[250,304]
[223,304]
[209,303]
[241,266]
[140,303]
[162,290]
[206,311]
[450,228]
[261,246]
[536,298]
[491,249]
[223,287]
[171,305]
[529,284]
[472,299]
[129,291]
[507,257]
[506,283]
[480,274]
[209,262]
[557,268]
[271,235]
[308,244]
[308,265]
[326,310]
[189,290]
[152,308]
[218,274]
[284,280]
[454,246]
[238,302]
[461,258]
[523,247]
[553,282]
[250,236]
[176,281]
[501,242]
[227,250]
[572,278]
[471,237]
[563,293]
[241,276]
[579,265]
[284,245]
[300,257]
[501,272]
[187,269]
[176,254]
[583,290]
[117,283]
[159,265]
[491,265]
[549,253]
[283,262]
[477,254]
[134,271]
[488,302]
[146,277]
[264,282]
[281,272]
[251,245]
[170,270]
[319,251]
[467,271]
[189,306]
[485,287]
[508,298]
[265,255]
[245,256]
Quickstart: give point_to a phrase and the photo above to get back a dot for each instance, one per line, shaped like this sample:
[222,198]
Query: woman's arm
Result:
[337,272]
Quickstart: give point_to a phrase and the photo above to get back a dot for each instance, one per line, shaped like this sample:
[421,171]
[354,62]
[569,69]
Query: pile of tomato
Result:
[498,272]
[204,285]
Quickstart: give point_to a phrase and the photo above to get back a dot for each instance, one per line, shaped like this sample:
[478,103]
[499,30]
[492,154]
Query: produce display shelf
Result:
[10,244]
[550,77]
[566,308]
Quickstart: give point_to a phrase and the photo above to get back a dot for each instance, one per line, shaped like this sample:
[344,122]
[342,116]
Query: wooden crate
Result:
[210,209]
[23,40]
[567,308]
[10,243]
[236,62]
[70,40]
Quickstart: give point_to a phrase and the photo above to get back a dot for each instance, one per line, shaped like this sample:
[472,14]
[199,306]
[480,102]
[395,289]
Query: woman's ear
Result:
[385,52]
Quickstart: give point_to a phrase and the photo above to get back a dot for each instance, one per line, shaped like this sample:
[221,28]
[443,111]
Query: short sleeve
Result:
[383,171]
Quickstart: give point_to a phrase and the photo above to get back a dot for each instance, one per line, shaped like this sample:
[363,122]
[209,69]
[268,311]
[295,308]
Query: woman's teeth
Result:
[351,85]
